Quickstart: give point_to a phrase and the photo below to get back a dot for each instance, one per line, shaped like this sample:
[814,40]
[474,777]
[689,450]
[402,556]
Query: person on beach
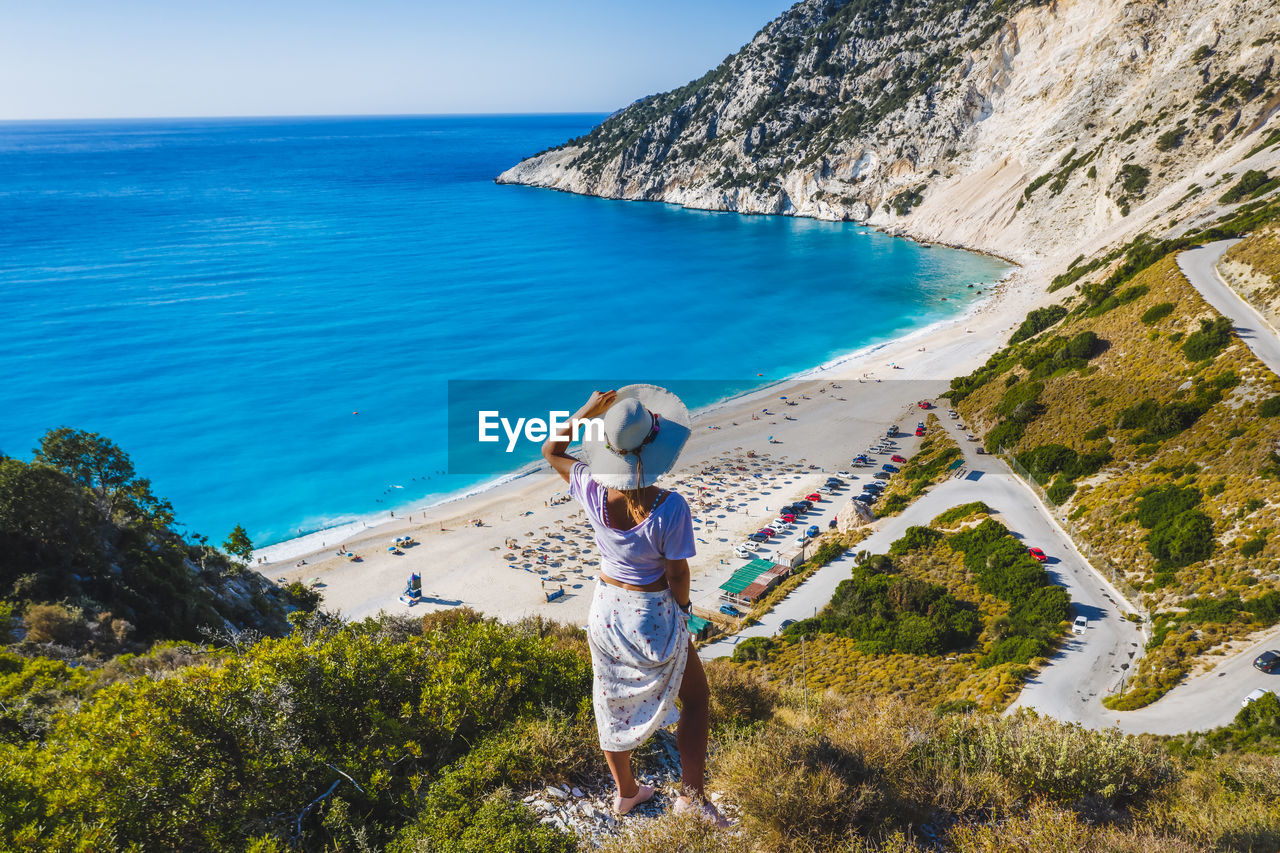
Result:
[642,657]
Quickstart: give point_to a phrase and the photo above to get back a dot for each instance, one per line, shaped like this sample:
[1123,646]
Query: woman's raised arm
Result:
[555,450]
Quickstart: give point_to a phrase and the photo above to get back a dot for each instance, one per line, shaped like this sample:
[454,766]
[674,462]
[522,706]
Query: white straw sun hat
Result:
[644,431]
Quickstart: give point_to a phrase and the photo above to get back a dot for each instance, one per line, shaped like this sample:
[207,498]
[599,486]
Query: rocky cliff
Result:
[1026,128]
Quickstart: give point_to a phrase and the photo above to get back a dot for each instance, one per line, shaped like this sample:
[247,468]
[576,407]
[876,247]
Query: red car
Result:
[767,531]
[1038,554]
[925,404]
[919,432]
[787,517]
[815,497]
[896,458]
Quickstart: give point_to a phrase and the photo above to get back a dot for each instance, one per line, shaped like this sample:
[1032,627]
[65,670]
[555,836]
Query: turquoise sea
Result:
[220,297]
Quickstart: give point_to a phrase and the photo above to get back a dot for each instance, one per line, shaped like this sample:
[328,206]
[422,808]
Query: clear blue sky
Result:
[141,58]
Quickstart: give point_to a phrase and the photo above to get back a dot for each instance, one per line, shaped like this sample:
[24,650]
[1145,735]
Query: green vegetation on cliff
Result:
[90,558]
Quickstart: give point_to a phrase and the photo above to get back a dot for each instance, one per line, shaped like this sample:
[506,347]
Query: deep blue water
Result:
[219,297]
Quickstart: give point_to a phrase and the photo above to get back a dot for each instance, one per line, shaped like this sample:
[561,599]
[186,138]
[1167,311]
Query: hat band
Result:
[653,433]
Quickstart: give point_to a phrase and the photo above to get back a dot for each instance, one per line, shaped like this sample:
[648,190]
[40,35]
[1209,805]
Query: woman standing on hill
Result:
[641,653]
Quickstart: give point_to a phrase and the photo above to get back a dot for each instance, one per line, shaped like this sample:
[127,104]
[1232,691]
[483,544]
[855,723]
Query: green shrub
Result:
[1270,407]
[1161,504]
[1037,321]
[1212,338]
[961,512]
[1061,490]
[915,538]
[1187,539]
[1021,402]
[1170,139]
[1134,178]
[1253,547]
[1250,183]
[1157,312]
[217,752]
[1004,434]
[753,649]
[1095,433]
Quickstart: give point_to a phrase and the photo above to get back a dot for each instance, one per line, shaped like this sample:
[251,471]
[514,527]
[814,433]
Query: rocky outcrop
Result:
[1027,128]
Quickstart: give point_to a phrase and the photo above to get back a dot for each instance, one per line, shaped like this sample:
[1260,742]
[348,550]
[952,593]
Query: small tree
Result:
[238,544]
[92,460]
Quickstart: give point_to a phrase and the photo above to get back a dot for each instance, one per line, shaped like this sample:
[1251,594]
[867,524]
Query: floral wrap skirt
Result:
[639,646]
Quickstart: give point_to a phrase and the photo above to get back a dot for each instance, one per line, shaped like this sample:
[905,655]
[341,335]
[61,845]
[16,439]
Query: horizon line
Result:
[495,114]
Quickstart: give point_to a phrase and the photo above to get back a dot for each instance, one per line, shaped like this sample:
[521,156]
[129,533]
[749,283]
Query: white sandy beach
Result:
[732,492]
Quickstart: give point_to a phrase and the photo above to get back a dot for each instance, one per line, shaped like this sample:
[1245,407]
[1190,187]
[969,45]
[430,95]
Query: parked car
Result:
[730,610]
[768,531]
[787,623]
[892,432]
[780,525]
[813,530]
[925,404]
[919,432]
[1038,554]
[807,504]
[1080,625]
[1253,696]
[881,475]
[787,517]
[970,436]
[919,424]
[826,490]
[758,537]
[953,414]
[896,458]
[749,546]
[892,469]
[845,474]
[868,498]
[742,553]
[873,486]
[814,497]
[1267,661]
[834,481]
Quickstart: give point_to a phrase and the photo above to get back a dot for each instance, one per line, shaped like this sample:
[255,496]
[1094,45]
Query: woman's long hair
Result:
[634,498]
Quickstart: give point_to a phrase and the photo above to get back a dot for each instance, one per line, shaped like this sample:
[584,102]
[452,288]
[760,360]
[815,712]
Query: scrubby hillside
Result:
[1016,126]
[948,621]
[426,736]
[1156,429]
[90,560]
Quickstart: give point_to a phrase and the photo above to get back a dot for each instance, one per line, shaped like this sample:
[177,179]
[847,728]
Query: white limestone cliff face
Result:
[1075,90]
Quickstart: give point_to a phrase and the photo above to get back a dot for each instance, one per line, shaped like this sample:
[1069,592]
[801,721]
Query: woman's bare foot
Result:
[622,804]
[704,810]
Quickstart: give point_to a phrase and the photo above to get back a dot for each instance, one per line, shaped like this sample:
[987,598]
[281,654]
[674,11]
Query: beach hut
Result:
[750,582]
[698,627]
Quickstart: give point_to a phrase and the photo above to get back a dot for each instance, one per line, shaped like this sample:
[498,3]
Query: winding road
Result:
[1086,667]
[1200,266]
[1083,670]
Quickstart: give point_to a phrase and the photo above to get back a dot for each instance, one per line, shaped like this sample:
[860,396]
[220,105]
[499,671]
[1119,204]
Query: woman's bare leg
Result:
[620,766]
[695,721]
